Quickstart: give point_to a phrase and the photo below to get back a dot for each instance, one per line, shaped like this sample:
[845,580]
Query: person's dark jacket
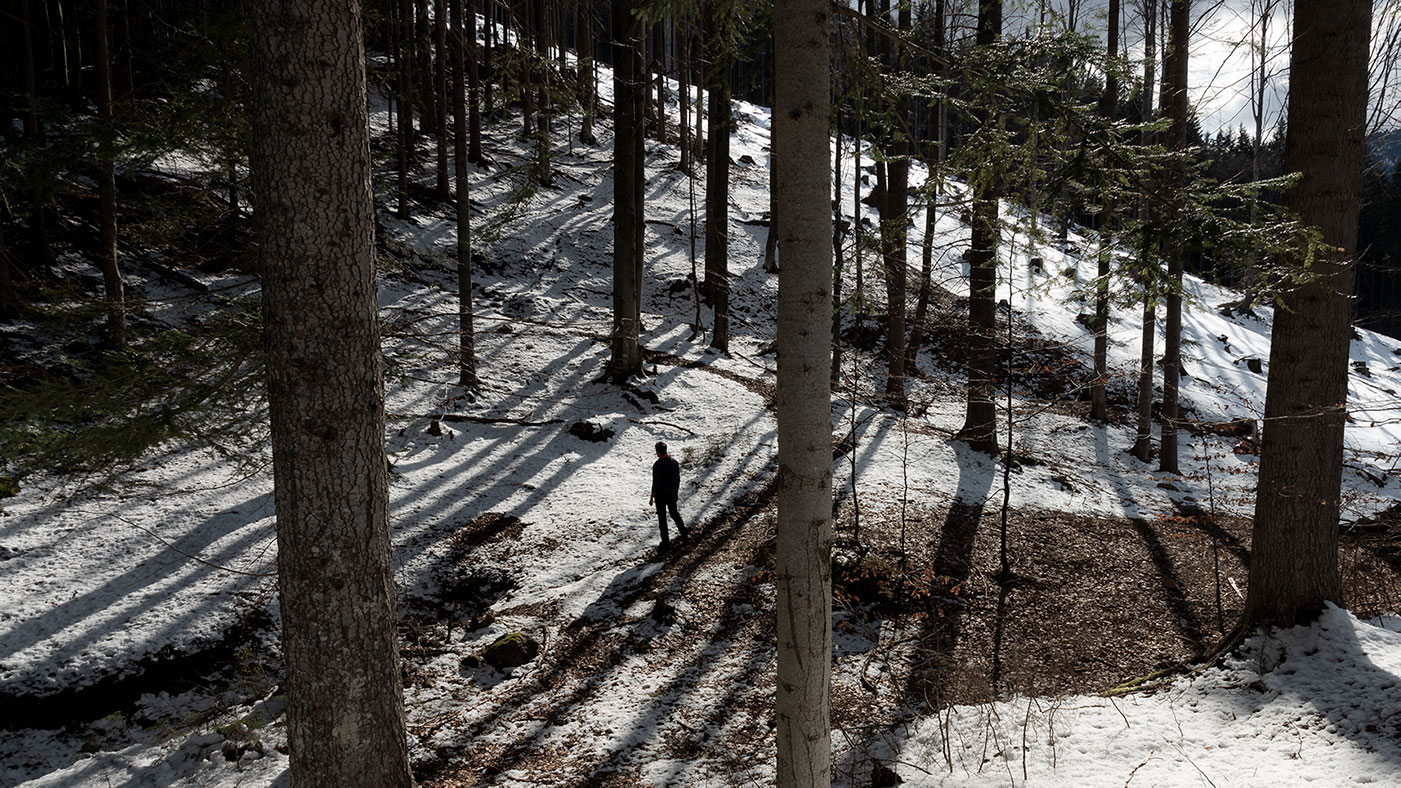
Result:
[666,479]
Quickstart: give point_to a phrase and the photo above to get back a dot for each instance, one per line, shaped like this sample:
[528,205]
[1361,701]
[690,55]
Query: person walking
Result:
[666,489]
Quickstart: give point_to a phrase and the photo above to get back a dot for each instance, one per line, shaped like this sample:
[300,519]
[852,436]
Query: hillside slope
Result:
[657,670]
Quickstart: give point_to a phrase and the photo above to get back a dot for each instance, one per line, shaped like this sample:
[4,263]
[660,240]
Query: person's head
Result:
[661,448]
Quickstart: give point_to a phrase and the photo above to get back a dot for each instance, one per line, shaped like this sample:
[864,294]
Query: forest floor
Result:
[138,642]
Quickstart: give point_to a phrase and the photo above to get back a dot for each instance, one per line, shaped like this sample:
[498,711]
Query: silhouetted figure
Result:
[666,488]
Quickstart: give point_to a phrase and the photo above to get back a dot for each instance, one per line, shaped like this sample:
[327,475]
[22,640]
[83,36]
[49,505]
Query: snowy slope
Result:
[169,561]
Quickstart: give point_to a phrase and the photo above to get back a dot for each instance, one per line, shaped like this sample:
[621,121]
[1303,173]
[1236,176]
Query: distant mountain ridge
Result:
[1385,146]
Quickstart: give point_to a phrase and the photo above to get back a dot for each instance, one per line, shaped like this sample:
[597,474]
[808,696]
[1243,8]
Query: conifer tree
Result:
[1175,108]
[1099,408]
[1294,553]
[466,345]
[803,562]
[107,187]
[980,419]
[719,32]
[630,93]
[315,231]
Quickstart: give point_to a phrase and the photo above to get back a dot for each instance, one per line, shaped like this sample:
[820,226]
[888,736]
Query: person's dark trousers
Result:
[662,508]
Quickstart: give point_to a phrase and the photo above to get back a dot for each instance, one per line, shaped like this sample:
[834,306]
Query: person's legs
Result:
[661,521]
[676,515]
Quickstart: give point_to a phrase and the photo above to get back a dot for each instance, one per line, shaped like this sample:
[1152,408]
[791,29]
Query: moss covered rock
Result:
[512,650]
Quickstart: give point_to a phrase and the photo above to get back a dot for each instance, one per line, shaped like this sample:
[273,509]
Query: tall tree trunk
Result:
[1259,82]
[926,272]
[107,189]
[836,236]
[717,171]
[980,419]
[1148,254]
[126,86]
[927,242]
[894,236]
[488,97]
[803,560]
[474,112]
[521,18]
[403,33]
[630,94]
[38,213]
[1108,107]
[440,90]
[771,233]
[1175,107]
[9,296]
[423,67]
[698,139]
[659,63]
[1294,555]
[895,229]
[587,92]
[315,232]
[466,333]
[683,104]
[542,79]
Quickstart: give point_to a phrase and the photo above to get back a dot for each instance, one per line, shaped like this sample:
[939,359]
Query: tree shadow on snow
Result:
[591,653]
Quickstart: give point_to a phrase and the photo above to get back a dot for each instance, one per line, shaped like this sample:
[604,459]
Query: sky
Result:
[1220,61]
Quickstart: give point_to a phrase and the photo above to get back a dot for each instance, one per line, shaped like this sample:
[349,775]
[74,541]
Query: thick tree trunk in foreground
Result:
[315,232]
[803,562]
[630,93]
[980,418]
[1294,556]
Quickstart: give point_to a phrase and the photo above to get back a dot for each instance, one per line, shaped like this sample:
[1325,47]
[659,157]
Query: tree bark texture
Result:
[1148,256]
[1294,556]
[440,90]
[107,188]
[541,72]
[717,170]
[423,67]
[803,564]
[587,92]
[404,149]
[771,236]
[895,228]
[630,93]
[315,232]
[1175,107]
[917,332]
[980,420]
[1109,106]
[38,212]
[474,112]
[466,332]
[894,245]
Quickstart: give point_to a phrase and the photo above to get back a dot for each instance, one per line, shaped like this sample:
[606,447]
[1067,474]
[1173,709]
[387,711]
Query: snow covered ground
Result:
[1307,706]
[657,669]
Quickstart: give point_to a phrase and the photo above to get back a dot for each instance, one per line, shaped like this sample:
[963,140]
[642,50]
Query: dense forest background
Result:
[175,77]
